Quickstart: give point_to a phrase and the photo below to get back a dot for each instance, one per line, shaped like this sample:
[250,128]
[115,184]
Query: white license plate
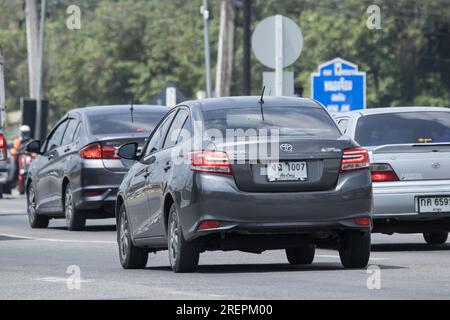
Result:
[287,171]
[434,204]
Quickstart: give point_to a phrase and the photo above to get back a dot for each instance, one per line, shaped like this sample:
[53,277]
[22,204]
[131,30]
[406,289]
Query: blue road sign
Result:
[339,86]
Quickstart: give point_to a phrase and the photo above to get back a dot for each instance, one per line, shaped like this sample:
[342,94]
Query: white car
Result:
[409,150]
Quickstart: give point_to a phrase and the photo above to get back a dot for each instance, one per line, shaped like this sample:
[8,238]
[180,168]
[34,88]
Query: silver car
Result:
[409,151]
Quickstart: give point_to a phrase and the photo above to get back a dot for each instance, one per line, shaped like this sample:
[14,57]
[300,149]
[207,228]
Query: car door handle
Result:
[67,149]
[51,156]
[147,173]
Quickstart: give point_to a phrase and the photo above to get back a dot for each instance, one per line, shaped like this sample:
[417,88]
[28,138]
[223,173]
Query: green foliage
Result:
[134,47]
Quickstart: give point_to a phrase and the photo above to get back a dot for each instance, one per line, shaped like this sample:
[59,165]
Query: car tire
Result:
[131,257]
[183,255]
[75,219]
[36,221]
[355,249]
[302,255]
[436,237]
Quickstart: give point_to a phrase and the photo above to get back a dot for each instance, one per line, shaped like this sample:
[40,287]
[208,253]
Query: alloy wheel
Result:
[68,204]
[123,236]
[174,239]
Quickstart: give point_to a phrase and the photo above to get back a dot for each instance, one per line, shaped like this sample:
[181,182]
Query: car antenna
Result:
[261,102]
[132,108]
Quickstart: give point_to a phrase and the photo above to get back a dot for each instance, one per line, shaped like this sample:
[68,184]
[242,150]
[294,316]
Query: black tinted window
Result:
[157,138]
[290,121]
[403,128]
[175,128]
[122,121]
[70,131]
[56,137]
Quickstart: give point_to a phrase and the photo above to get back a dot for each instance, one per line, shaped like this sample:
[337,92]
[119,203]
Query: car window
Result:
[289,121]
[76,135]
[55,139]
[403,128]
[175,128]
[343,125]
[70,131]
[158,135]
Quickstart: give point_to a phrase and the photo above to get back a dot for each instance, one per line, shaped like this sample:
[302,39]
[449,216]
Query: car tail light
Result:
[3,147]
[363,221]
[383,172]
[208,224]
[97,151]
[210,161]
[354,159]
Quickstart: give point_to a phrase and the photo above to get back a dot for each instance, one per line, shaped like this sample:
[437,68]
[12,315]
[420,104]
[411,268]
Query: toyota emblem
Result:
[286,147]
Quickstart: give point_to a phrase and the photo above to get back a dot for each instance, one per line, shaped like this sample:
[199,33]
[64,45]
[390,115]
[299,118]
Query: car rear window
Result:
[403,128]
[290,121]
[120,121]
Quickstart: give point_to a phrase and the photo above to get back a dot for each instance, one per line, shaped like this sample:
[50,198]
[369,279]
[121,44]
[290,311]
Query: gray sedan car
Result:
[204,182]
[77,172]
[409,149]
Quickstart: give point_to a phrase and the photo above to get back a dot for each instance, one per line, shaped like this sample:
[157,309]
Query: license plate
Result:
[434,204]
[287,171]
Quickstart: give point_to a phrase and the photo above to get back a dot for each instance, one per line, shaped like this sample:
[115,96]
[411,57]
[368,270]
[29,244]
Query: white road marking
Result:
[337,257]
[56,240]
[59,279]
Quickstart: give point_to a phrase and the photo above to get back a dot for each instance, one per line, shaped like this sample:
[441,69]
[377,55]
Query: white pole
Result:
[39,78]
[32,45]
[279,55]
[205,13]
[2,92]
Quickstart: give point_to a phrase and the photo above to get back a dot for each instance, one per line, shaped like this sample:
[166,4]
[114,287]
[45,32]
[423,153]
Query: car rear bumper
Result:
[216,197]
[396,206]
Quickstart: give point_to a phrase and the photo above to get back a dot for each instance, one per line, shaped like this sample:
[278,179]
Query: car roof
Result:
[251,101]
[371,111]
[126,107]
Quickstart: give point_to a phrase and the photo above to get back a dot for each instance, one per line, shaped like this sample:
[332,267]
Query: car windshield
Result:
[289,121]
[120,121]
[403,128]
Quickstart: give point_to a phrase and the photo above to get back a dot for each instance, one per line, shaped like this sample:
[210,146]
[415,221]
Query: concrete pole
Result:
[205,13]
[32,45]
[2,92]
[38,131]
[225,52]
[279,55]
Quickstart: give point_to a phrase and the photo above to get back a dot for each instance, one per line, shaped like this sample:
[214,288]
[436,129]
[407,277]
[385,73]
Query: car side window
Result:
[175,128]
[343,125]
[70,131]
[54,141]
[157,138]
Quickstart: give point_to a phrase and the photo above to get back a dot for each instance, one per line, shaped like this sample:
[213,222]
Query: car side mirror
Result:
[34,147]
[129,151]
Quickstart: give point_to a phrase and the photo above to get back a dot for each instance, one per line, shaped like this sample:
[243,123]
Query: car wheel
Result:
[301,255]
[183,255]
[75,219]
[355,249]
[131,257]
[36,221]
[436,237]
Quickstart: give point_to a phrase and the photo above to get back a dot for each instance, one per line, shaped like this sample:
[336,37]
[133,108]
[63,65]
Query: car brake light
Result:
[208,224]
[383,172]
[2,141]
[363,221]
[210,161]
[354,159]
[97,151]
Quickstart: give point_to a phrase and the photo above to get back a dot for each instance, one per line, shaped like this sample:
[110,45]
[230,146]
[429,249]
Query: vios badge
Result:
[286,147]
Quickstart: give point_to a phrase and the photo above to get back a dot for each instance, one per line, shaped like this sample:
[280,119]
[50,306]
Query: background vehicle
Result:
[77,173]
[4,163]
[409,150]
[317,191]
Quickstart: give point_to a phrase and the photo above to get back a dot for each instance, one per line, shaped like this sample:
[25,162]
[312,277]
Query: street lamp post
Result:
[205,12]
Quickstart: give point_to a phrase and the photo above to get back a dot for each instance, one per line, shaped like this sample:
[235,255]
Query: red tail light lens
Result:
[383,172]
[97,151]
[354,159]
[3,143]
[363,221]
[210,161]
[208,224]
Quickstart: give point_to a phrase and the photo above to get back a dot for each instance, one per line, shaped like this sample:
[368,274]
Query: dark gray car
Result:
[77,172]
[191,191]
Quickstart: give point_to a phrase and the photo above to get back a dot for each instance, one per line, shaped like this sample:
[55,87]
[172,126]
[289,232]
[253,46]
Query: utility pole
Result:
[205,12]
[32,45]
[246,64]
[2,91]
[39,96]
[225,52]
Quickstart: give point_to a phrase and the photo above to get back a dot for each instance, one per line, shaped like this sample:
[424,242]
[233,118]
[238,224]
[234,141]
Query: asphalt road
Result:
[34,264]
